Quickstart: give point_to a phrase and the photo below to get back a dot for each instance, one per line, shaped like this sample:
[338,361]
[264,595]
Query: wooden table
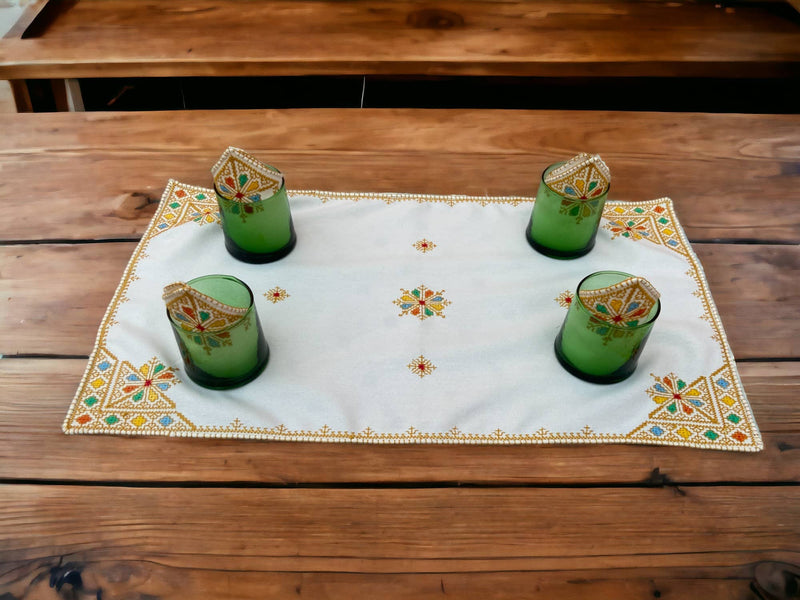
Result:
[191,518]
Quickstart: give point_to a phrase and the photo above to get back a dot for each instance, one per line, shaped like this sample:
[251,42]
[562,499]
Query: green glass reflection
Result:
[596,350]
[561,227]
[224,362]
[258,232]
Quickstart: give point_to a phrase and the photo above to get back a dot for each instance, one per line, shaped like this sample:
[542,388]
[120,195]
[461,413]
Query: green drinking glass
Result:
[227,358]
[596,350]
[261,231]
[560,226]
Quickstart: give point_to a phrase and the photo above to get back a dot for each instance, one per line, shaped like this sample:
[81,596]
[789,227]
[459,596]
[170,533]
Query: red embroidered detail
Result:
[276,295]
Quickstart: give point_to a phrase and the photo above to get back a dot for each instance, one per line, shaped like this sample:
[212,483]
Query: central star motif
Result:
[421,302]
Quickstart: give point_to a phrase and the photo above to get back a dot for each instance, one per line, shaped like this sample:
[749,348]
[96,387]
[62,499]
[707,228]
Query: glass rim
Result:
[250,306]
[282,188]
[582,306]
[559,194]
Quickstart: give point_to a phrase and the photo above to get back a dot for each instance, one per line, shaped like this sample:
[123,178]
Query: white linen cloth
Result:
[345,362]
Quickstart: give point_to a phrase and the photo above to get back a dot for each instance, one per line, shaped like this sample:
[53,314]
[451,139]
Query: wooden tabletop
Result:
[561,38]
[190,518]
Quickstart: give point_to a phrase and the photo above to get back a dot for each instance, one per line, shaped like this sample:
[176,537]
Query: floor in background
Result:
[6,98]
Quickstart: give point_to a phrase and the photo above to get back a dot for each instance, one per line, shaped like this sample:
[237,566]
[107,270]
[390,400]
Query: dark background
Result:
[607,93]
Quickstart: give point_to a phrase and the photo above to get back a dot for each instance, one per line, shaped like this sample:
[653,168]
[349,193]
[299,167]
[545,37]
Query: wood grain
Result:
[99,176]
[547,38]
[53,307]
[38,393]
[402,530]
[151,580]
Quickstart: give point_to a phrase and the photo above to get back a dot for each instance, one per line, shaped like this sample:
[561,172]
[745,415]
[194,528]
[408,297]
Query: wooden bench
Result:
[548,38]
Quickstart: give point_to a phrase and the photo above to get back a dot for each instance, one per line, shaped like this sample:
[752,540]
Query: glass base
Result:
[620,374]
[261,257]
[552,253]
[212,382]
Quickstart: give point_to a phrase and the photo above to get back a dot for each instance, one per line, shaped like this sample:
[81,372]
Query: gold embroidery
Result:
[564,299]
[653,221]
[582,177]
[116,397]
[241,177]
[182,204]
[424,245]
[276,295]
[421,366]
[671,237]
[626,302]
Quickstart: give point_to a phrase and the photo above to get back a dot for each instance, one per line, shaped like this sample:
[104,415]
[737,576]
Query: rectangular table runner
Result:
[355,358]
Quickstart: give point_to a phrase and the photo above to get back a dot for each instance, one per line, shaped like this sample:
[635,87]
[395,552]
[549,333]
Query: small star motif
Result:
[421,366]
[276,295]
[564,299]
[424,245]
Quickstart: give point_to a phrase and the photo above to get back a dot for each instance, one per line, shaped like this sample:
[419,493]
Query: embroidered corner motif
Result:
[582,177]
[424,245]
[117,397]
[205,318]
[649,221]
[421,366]
[421,302]
[709,411]
[276,294]
[185,204]
[240,177]
[624,303]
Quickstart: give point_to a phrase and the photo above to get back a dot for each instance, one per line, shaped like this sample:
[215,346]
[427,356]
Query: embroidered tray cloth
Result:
[355,357]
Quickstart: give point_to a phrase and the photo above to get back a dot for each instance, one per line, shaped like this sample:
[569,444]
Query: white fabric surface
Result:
[339,349]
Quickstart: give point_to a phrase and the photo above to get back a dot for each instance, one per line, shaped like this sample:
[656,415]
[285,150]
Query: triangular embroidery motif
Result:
[118,397]
[582,177]
[624,303]
[184,204]
[240,177]
[197,312]
[650,221]
[707,412]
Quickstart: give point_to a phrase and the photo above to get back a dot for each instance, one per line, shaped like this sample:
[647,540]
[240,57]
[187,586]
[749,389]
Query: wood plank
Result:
[55,295]
[106,171]
[546,38]
[147,579]
[403,530]
[38,392]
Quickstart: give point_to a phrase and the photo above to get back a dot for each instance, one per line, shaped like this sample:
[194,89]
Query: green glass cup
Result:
[231,357]
[596,350]
[560,226]
[258,232]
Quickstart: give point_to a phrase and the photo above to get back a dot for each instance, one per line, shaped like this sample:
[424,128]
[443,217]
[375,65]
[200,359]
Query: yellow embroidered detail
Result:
[197,312]
[276,295]
[182,204]
[129,399]
[241,177]
[421,302]
[582,177]
[624,303]
[651,221]
[564,299]
[424,245]
[704,411]
[421,366]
